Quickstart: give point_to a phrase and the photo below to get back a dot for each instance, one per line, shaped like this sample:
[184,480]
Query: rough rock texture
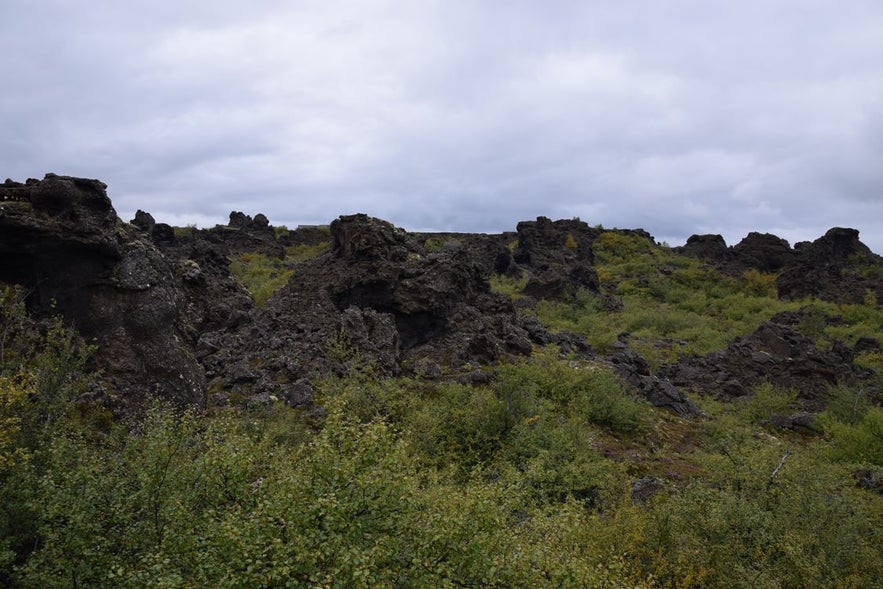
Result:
[774,353]
[660,392]
[490,251]
[246,234]
[711,248]
[762,251]
[836,267]
[65,244]
[377,298]
[170,319]
[557,256]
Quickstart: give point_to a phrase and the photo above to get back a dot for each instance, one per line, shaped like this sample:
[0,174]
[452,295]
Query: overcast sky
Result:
[678,116]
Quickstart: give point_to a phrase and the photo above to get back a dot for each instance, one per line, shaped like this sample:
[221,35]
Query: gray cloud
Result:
[680,117]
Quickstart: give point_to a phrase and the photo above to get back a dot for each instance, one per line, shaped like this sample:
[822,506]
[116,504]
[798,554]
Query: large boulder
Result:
[77,259]
[558,257]
[836,267]
[710,248]
[762,251]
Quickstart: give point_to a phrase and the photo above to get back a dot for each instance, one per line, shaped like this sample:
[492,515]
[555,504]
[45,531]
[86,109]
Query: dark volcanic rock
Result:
[836,267]
[557,256]
[762,251]
[774,353]
[377,300]
[634,370]
[711,248]
[245,234]
[79,260]
[144,221]
[490,251]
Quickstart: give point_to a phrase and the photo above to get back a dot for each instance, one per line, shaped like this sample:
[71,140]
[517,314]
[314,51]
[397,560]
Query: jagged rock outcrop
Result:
[376,299]
[836,267]
[66,245]
[244,234]
[659,392]
[557,256]
[775,353]
[170,319]
[711,248]
[490,251]
[761,251]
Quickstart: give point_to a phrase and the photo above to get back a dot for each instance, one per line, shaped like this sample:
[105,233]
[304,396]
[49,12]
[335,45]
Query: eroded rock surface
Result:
[557,256]
[376,299]
[775,353]
[170,319]
[64,242]
[837,267]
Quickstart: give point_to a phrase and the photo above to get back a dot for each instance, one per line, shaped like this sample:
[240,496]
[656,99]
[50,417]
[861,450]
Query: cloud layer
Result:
[680,117]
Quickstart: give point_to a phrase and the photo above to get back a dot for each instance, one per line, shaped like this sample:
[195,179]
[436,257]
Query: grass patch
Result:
[260,274]
[304,252]
[666,297]
[507,285]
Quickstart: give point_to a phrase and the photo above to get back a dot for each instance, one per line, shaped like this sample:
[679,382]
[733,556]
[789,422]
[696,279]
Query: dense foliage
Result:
[529,481]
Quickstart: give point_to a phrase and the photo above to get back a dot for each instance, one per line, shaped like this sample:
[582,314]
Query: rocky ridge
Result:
[836,267]
[170,319]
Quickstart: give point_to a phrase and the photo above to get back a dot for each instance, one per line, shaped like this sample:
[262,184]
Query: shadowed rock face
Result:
[711,248]
[836,267]
[65,244]
[761,251]
[557,256]
[377,298]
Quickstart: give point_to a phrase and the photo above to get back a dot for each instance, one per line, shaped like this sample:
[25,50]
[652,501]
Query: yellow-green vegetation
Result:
[184,232]
[507,285]
[301,253]
[260,274]
[672,304]
[434,244]
[263,275]
[523,482]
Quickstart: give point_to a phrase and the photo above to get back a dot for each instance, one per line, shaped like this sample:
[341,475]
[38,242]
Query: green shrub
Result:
[463,426]
[848,404]
[859,442]
[759,283]
[767,400]
[590,392]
